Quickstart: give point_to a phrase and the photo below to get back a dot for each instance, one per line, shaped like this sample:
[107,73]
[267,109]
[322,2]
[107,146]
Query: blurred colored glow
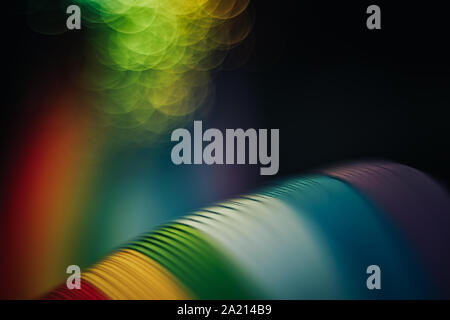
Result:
[151,60]
[40,216]
[73,195]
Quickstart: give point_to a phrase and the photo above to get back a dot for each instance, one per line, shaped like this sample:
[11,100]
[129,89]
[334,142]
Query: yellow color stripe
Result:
[130,275]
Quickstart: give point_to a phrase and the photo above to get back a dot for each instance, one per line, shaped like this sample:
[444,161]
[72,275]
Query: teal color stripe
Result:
[358,235]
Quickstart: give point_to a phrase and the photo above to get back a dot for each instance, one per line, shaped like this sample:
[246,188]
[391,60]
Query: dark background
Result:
[336,90]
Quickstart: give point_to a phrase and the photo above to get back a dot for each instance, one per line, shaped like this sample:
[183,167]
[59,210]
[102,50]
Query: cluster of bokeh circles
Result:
[151,61]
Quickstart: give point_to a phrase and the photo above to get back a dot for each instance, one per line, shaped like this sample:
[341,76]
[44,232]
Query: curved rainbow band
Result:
[309,237]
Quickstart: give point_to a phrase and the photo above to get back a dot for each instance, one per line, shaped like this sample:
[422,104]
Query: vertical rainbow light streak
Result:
[41,215]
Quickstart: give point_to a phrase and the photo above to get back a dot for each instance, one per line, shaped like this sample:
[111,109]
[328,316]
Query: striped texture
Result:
[309,237]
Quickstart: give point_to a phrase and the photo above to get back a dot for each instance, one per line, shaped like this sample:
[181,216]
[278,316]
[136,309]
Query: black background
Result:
[281,309]
[336,90]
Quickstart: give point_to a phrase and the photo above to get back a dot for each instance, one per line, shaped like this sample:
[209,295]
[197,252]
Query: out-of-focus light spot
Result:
[152,59]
